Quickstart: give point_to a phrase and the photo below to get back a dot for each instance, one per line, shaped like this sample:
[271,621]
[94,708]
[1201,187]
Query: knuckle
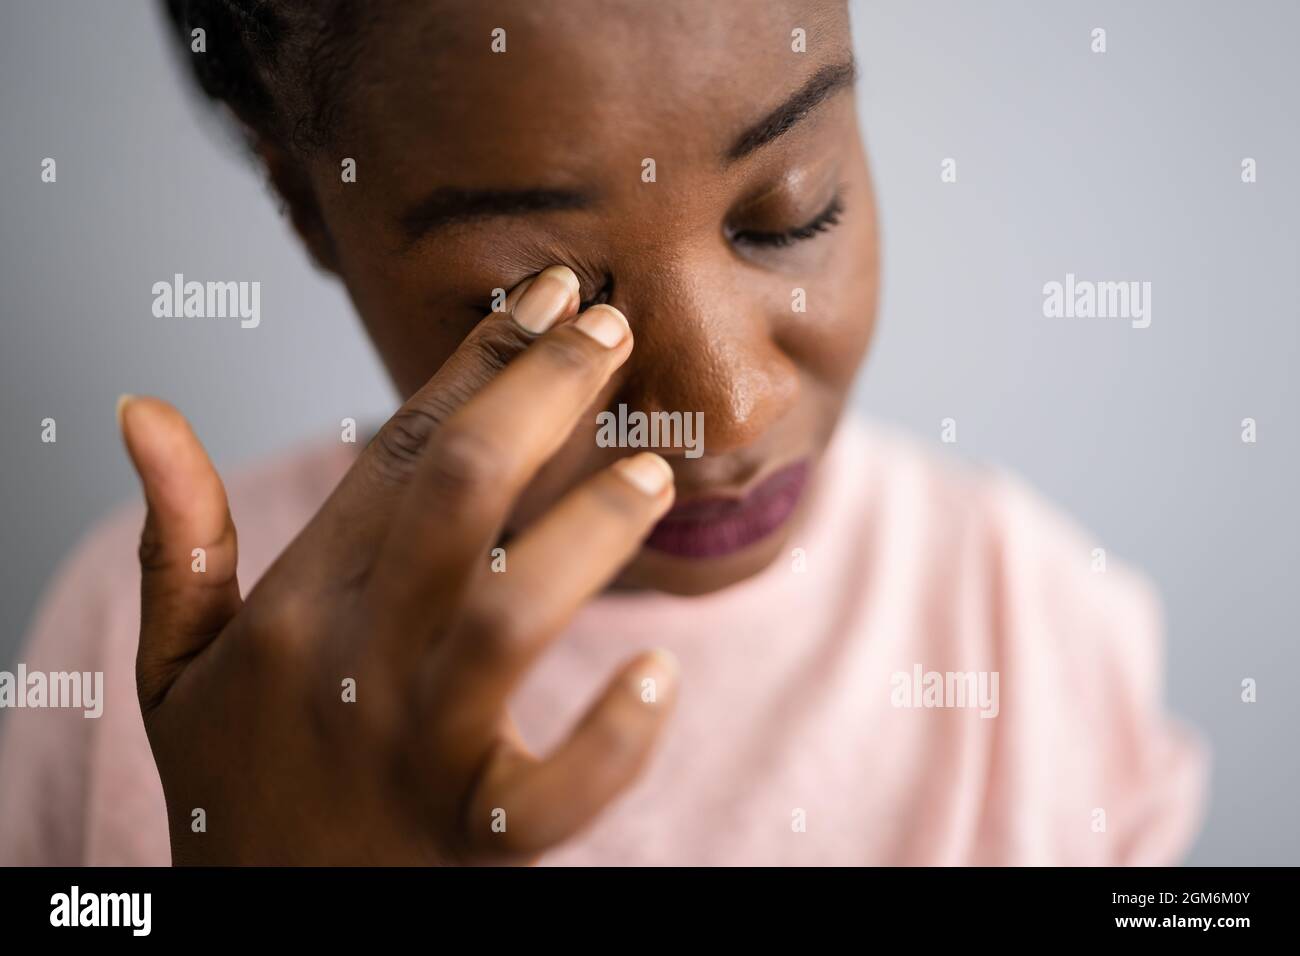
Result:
[493,630]
[150,682]
[568,353]
[620,735]
[222,564]
[403,439]
[285,616]
[151,551]
[495,346]
[465,462]
[613,496]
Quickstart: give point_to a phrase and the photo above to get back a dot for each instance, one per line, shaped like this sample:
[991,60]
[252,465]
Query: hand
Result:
[389,586]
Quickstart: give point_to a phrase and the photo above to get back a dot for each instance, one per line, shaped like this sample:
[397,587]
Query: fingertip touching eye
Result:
[601,294]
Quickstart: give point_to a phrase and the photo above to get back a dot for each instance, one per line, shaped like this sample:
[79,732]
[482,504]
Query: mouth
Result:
[715,527]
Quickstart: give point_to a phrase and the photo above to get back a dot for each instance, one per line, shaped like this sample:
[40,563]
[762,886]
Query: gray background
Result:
[1116,166]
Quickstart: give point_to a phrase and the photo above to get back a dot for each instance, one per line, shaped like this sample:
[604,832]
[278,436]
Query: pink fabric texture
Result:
[790,743]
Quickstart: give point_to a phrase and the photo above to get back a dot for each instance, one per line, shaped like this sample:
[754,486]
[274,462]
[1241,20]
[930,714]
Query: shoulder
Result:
[948,519]
[1006,564]
[980,571]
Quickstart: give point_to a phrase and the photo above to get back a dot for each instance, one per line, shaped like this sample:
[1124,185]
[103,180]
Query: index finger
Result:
[357,513]
[485,454]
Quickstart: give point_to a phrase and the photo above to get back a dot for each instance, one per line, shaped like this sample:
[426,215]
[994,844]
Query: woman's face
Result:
[476,169]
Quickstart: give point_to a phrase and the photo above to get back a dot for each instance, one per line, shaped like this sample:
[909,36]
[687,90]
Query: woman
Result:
[493,635]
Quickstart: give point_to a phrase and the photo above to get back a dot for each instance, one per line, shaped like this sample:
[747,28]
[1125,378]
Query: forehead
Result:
[581,84]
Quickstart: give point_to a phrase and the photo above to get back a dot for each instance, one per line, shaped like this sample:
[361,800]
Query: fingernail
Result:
[605,324]
[660,665]
[122,402]
[665,659]
[650,473]
[516,294]
[546,299]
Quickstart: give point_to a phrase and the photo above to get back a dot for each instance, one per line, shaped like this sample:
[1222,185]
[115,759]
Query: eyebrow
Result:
[820,87]
[449,205]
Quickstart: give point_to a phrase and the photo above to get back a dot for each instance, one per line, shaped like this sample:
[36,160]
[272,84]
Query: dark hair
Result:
[275,63]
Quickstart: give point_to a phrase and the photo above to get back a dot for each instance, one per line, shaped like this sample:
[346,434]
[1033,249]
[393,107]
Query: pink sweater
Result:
[935,674]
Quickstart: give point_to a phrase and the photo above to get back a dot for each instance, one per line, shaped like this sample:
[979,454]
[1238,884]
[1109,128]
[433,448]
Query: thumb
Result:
[188,588]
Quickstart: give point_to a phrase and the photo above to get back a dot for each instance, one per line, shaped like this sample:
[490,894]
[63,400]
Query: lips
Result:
[714,527]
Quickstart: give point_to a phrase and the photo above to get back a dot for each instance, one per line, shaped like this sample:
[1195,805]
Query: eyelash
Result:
[600,295]
[824,221]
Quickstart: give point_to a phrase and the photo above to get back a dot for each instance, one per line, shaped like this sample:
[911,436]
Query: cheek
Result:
[412,338]
[415,358]
[830,338]
[411,333]
[855,309]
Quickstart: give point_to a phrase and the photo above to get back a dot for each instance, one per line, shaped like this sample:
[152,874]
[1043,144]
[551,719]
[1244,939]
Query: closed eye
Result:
[824,221]
[601,296]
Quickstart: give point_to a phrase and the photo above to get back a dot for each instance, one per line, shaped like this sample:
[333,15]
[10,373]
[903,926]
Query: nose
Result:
[704,343]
